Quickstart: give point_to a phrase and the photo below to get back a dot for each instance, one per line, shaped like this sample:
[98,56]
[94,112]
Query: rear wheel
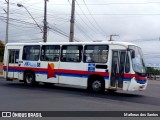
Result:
[96,85]
[29,79]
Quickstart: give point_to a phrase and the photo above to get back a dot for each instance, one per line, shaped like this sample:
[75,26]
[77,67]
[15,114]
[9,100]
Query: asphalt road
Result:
[16,96]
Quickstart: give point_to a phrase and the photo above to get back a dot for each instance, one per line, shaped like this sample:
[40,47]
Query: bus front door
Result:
[13,59]
[117,69]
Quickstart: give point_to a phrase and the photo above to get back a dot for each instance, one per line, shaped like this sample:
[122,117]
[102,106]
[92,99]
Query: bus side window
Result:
[71,53]
[95,53]
[31,52]
[50,53]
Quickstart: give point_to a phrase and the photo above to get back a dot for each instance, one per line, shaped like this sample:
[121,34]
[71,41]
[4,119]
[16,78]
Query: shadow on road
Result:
[81,92]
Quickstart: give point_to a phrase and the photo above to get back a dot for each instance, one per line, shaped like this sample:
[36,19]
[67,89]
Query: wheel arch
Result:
[29,71]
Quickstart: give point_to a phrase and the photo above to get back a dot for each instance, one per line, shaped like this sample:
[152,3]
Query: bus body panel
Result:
[72,73]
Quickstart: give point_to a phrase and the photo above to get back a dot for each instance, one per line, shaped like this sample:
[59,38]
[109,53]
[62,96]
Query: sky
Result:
[135,21]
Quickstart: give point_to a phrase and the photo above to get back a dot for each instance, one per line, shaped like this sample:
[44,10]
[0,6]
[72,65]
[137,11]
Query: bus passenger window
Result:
[89,58]
[95,54]
[71,53]
[31,52]
[50,53]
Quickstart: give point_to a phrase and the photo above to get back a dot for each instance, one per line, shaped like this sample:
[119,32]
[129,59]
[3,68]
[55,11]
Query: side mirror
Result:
[132,54]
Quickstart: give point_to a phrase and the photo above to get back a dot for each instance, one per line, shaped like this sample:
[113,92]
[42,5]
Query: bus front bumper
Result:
[135,86]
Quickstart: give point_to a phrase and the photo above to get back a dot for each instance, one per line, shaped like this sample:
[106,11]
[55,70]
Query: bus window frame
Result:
[84,54]
[80,53]
[33,47]
[59,54]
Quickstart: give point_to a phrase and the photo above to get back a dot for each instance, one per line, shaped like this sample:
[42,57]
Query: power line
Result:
[26,34]
[20,5]
[85,22]
[57,30]
[83,32]
[19,21]
[144,40]
[121,14]
[94,19]
[87,17]
[16,40]
[114,3]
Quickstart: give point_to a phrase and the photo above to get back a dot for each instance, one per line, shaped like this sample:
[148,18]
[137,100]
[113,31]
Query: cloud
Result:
[132,20]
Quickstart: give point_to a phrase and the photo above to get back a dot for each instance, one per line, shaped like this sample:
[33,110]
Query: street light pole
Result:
[20,5]
[7,23]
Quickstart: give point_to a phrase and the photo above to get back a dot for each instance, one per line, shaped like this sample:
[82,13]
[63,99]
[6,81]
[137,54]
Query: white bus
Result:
[98,66]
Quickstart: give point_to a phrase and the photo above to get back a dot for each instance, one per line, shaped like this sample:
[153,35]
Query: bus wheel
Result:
[29,79]
[97,85]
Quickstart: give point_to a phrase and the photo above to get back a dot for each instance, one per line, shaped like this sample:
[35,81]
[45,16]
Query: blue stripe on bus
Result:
[141,81]
[60,74]
[127,79]
[138,81]
[72,75]
[76,75]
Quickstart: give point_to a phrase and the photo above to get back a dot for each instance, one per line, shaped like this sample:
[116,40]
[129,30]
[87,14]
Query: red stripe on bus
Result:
[57,70]
[66,71]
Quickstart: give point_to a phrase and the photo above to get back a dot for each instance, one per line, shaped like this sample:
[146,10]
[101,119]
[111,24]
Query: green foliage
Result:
[1,50]
[153,71]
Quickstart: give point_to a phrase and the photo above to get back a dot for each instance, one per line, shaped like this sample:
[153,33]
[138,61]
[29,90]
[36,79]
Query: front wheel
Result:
[29,79]
[96,85]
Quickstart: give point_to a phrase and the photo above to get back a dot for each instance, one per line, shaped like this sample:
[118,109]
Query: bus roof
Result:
[74,43]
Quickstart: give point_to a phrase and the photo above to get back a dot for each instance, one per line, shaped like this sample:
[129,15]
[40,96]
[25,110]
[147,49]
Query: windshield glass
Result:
[137,59]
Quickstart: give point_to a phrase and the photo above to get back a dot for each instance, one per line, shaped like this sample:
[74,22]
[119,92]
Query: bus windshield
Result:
[137,60]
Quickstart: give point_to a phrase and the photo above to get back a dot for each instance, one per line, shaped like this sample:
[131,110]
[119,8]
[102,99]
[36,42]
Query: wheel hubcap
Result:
[29,79]
[96,85]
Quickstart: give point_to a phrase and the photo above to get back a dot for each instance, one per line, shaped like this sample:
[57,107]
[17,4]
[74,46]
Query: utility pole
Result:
[71,36]
[45,22]
[111,37]
[7,22]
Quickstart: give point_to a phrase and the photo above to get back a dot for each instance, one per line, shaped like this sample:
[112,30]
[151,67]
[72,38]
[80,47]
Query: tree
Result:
[152,71]
[1,50]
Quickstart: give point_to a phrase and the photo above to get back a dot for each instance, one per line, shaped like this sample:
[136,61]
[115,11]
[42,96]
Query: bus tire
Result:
[29,79]
[96,85]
